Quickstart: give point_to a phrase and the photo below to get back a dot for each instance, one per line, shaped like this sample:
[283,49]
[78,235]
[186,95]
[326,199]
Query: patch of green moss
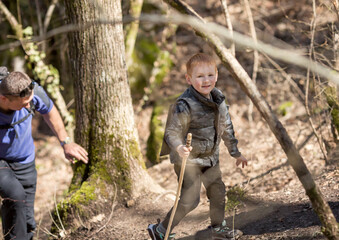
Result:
[144,55]
[78,172]
[84,195]
[155,139]
[333,102]
[94,178]
[150,66]
[156,135]
[135,152]
[235,197]
[77,200]
[162,68]
[122,178]
[284,107]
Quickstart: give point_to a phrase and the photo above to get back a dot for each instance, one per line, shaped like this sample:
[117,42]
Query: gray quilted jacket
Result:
[207,119]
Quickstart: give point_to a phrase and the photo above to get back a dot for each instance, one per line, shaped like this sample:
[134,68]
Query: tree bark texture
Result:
[320,206]
[104,113]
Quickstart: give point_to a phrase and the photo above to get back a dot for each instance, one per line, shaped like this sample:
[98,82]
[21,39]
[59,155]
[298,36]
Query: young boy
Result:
[202,111]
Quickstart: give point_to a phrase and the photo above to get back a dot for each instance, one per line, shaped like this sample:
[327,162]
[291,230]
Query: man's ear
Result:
[3,98]
[188,79]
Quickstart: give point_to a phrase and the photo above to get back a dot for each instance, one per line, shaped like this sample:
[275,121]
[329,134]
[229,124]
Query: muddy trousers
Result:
[190,193]
[17,190]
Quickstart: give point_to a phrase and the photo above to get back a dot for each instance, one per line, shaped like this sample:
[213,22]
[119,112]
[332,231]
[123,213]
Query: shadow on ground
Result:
[273,218]
[279,218]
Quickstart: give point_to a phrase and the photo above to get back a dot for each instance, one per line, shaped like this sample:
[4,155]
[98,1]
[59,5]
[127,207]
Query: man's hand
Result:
[241,160]
[75,152]
[183,151]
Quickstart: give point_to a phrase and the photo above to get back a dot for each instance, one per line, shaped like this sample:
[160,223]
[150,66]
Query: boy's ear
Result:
[188,79]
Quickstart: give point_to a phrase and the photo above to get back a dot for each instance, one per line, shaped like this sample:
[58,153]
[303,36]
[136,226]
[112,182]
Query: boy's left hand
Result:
[241,160]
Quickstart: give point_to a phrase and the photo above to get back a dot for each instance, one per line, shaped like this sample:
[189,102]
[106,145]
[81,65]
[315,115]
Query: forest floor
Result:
[274,206]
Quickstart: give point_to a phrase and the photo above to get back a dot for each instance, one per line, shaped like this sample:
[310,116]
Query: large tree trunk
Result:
[104,114]
[319,203]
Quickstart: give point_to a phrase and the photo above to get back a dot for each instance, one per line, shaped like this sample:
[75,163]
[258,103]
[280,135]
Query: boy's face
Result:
[203,78]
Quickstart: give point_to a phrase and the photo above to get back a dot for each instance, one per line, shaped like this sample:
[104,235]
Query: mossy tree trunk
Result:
[104,114]
[331,94]
[330,226]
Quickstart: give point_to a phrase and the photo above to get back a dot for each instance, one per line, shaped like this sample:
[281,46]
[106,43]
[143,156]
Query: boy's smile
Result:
[203,78]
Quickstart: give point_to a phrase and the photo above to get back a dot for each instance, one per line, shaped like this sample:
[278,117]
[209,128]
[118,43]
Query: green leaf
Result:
[28,31]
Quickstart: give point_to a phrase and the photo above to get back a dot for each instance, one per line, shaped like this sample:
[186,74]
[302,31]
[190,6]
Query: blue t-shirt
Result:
[16,144]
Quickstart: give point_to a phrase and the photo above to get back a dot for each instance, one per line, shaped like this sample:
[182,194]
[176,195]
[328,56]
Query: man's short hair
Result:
[14,83]
[197,59]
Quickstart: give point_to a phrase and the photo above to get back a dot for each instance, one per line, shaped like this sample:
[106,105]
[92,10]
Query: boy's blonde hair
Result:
[197,59]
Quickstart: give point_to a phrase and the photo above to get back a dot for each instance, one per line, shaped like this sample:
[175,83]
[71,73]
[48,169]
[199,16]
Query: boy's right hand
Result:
[183,151]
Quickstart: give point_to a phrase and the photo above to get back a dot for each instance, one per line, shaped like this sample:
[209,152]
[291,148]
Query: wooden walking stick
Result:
[181,177]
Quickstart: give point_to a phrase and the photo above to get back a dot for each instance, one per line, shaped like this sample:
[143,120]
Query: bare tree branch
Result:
[287,56]
[228,23]
[37,5]
[12,20]
[132,30]
[49,14]
[255,53]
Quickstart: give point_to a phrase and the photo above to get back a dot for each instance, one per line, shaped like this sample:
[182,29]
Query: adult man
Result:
[19,97]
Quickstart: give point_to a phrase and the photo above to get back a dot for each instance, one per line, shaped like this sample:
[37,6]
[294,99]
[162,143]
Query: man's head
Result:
[16,91]
[202,73]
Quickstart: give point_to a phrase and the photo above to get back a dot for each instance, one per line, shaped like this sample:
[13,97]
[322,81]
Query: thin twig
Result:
[233,221]
[313,27]
[45,230]
[57,212]
[255,39]
[18,11]
[38,229]
[301,146]
[111,214]
[10,18]
[37,5]
[287,77]
[50,214]
[9,231]
[49,14]
[81,222]
[255,54]
[228,23]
